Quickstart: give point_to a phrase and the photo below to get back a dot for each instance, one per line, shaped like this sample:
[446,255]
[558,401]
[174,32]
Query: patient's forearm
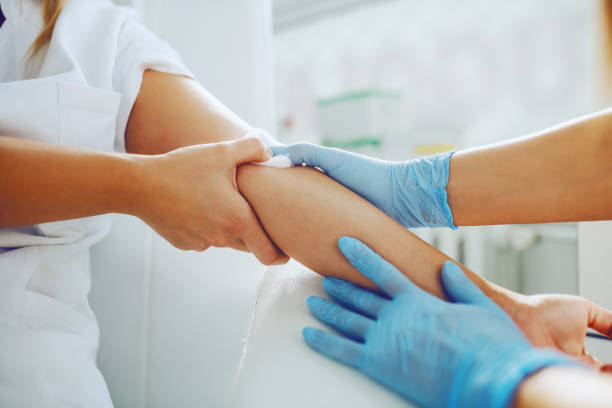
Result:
[305,213]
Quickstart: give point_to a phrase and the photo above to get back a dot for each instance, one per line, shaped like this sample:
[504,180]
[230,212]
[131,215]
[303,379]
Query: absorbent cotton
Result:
[281,161]
[279,370]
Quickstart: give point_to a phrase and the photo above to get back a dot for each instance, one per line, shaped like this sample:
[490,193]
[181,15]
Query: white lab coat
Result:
[77,92]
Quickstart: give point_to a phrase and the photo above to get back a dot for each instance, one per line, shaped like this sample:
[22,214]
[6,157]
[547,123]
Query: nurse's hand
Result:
[467,352]
[413,192]
[190,197]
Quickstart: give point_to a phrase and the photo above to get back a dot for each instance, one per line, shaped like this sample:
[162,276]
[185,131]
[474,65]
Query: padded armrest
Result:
[279,370]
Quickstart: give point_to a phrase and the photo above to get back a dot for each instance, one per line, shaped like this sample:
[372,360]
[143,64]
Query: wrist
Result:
[510,302]
[132,185]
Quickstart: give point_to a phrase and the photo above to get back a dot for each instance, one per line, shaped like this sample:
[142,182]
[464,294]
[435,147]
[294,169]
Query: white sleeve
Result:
[138,49]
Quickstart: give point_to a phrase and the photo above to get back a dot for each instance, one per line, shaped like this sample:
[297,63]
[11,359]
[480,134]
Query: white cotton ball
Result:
[280,162]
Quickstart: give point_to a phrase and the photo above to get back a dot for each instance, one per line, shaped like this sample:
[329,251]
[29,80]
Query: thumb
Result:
[600,319]
[459,288]
[247,149]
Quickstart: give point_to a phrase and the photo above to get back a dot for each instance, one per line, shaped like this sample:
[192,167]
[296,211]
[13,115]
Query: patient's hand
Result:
[561,321]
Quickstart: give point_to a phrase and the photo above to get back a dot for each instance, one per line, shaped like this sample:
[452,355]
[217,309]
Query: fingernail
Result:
[269,152]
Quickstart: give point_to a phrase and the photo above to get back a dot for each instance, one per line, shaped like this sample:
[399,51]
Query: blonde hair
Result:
[607,51]
[51,10]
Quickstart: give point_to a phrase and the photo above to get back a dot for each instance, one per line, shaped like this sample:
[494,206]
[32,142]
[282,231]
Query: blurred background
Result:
[391,78]
[402,78]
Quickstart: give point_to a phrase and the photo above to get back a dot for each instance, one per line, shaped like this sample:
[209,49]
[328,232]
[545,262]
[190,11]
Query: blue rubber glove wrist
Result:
[412,192]
[419,191]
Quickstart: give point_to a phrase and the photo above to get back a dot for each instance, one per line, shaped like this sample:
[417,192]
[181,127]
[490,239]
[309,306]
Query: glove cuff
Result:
[422,199]
[443,193]
[496,386]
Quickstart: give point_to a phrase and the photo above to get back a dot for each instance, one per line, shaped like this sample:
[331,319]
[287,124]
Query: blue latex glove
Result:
[465,353]
[413,192]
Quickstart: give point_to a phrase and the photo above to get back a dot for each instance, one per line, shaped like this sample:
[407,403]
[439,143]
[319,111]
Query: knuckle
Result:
[254,143]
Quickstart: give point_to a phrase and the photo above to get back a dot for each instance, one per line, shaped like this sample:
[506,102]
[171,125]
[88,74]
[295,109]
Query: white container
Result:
[359,120]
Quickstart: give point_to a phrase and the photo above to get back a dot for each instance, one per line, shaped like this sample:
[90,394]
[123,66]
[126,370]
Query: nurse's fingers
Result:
[238,245]
[335,347]
[312,155]
[247,150]
[460,289]
[386,276]
[349,323]
[257,241]
[354,297]
[600,319]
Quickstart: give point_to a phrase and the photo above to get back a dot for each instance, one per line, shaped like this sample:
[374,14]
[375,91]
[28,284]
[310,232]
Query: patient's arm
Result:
[305,213]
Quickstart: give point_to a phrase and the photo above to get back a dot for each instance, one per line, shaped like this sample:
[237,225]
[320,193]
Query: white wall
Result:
[595,273]
[171,322]
[485,70]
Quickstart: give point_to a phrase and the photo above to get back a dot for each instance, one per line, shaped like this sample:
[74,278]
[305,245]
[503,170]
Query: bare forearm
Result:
[41,182]
[173,111]
[305,213]
[562,387]
[560,174]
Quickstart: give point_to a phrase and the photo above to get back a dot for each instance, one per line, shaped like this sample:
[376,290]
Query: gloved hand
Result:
[413,192]
[465,353]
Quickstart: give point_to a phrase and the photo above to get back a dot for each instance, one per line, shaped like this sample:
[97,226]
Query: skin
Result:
[564,387]
[557,175]
[172,112]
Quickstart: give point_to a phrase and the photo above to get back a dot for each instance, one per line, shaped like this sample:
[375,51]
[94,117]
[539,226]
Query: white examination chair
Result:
[279,370]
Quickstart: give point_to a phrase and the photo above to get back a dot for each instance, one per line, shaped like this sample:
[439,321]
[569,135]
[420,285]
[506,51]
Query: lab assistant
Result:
[466,352]
[70,75]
